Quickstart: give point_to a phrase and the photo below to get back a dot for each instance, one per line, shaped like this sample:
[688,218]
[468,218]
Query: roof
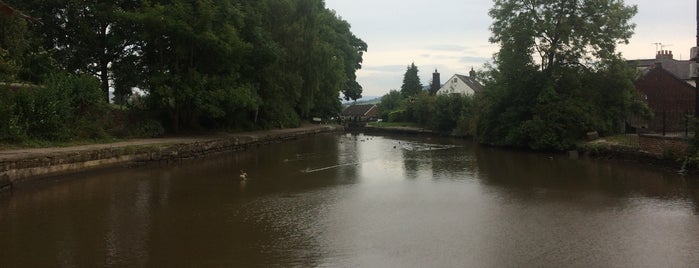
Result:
[679,68]
[8,11]
[471,82]
[668,73]
[359,110]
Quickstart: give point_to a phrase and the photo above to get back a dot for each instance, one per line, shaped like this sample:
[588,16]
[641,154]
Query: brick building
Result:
[669,97]
[366,112]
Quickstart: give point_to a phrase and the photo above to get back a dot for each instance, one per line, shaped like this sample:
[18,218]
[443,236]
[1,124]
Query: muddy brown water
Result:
[358,201]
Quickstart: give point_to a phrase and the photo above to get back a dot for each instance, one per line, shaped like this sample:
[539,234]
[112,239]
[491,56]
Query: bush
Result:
[397,116]
[149,128]
[67,107]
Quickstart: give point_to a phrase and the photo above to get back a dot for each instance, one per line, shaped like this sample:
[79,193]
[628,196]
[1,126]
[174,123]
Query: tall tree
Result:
[87,36]
[411,82]
[563,33]
[545,103]
[14,44]
[299,77]
[192,53]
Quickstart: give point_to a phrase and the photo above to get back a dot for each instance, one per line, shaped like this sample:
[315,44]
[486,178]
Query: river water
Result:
[358,201]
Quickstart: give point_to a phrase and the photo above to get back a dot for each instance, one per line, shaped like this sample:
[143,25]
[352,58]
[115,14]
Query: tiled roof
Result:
[471,82]
[359,110]
[679,68]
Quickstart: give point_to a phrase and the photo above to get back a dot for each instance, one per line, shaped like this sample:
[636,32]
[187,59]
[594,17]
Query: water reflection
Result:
[538,173]
[357,200]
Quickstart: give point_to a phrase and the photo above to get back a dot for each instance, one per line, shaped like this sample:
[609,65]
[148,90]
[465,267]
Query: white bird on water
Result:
[243,175]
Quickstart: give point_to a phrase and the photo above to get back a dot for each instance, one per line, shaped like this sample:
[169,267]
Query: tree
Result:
[14,44]
[85,36]
[203,63]
[563,33]
[390,102]
[411,82]
[547,103]
[299,77]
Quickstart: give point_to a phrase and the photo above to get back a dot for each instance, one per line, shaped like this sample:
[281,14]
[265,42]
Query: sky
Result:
[452,36]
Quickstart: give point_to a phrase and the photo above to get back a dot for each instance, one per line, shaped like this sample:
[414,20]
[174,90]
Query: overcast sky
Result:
[452,35]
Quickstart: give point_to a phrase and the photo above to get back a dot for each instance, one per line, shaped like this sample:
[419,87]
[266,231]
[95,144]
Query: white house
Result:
[461,84]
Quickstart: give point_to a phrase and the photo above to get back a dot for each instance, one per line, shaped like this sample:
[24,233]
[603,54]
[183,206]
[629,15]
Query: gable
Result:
[361,110]
[460,84]
[663,91]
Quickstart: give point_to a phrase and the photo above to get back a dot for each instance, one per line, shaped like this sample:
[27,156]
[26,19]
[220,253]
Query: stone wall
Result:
[663,146]
[37,165]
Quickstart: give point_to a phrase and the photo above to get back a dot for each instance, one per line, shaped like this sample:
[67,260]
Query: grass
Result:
[624,140]
[393,124]
[35,143]
[605,143]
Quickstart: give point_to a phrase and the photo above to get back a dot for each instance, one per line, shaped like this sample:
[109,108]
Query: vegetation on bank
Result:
[199,65]
[394,124]
[231,64]
[556,77]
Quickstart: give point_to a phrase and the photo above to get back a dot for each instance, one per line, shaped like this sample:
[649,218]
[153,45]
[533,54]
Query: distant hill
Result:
[364,100]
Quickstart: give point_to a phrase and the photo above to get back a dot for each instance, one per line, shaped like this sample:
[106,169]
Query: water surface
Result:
[356,200]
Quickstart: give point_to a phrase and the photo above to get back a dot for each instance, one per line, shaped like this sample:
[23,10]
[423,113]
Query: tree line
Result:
[556,77]
[203,64]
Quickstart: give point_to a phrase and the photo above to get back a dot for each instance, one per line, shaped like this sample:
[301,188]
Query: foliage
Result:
[562,33]
[397,116]
[149,128]
[85,36]
[12,45]
[67,107]
[411,82]
[452,114]
[421,109]
[204,64]
[578,84]
[390,102]
[393,124]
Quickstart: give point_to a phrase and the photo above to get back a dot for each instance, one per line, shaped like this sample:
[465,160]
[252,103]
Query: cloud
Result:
[383,68]
[447,47]
[469,59]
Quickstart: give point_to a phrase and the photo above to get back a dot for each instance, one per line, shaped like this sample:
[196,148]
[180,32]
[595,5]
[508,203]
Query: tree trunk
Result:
[104,78]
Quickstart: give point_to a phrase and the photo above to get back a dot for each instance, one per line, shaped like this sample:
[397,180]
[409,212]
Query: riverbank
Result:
[397,130]
[25,164]
[668,153]
[657,151]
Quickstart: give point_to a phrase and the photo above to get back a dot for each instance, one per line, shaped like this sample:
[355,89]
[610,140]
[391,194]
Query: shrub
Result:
[149,128]
[68,106]
[397,116]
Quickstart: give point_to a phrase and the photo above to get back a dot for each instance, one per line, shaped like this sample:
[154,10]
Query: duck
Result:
[243,175]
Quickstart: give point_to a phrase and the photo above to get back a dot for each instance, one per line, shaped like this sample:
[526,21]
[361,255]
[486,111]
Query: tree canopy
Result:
[411,82]
[578,82]
[202,63]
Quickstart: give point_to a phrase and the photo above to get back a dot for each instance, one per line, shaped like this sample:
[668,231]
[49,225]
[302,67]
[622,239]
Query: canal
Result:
[358,201]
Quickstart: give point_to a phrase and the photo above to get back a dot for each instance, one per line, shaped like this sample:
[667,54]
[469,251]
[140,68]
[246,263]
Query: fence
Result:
[670,124]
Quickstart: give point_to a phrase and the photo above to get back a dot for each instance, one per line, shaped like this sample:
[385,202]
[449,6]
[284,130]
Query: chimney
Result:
[664,55]
[436,84]
[472,73]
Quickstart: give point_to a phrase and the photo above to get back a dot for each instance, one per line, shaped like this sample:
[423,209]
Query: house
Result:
[461,84]
[679,68]
[668,95]
[364,112]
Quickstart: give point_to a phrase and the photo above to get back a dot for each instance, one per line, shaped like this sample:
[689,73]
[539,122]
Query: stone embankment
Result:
[24,164]
[397,130]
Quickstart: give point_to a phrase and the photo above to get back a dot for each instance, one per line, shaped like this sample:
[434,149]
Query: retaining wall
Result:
[70,160]
[661,146]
